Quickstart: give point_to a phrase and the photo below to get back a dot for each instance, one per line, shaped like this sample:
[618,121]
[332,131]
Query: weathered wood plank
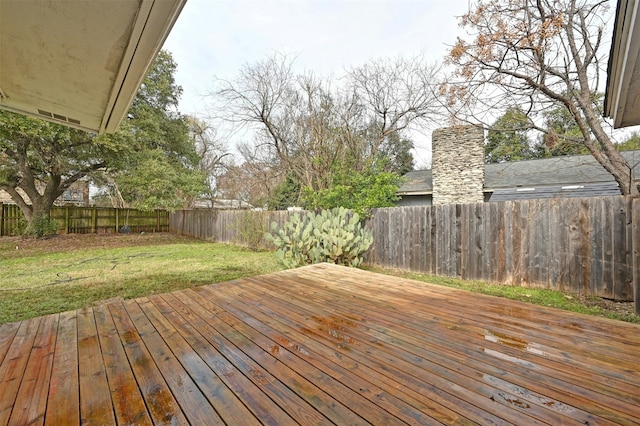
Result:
[330,333]
[596,282]
[484,241]
[430,229]
[620,271]
[310,387]
[7,333]
[265,410]
[31,401]
[14,364]
[282,395]
[477,248]
[125,395]
[499,263]
[161,403]
[63,405]
[95,399]
[456,242]
[225,402]
[194,404]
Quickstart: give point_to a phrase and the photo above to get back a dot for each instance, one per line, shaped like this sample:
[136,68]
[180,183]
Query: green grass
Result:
[581,304]
[43,281]
[39,277]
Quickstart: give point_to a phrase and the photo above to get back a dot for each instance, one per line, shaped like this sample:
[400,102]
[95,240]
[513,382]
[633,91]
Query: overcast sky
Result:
[216,37]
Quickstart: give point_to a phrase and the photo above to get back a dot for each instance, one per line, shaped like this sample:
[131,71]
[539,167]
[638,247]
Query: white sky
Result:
[217,37]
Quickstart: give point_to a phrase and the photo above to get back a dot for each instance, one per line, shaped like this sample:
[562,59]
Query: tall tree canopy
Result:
[308,130]
[507,139]
[40,160]
[162,168]
[150,162]
[213,153]
[537,55]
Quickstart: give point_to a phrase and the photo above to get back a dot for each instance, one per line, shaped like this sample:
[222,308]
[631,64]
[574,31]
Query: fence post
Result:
[1,219]
[66,220]
[117,217]
[94,220]
[635,250]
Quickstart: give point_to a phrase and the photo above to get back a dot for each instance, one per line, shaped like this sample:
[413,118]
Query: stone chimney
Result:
[458,165]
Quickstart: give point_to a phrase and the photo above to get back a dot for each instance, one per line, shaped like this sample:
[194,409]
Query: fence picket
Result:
[583,245]
[84,220]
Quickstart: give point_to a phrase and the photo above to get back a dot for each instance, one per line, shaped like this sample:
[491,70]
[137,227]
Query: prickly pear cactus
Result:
[335,236]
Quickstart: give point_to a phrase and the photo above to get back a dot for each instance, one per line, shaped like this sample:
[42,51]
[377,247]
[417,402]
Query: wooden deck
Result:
[319,345]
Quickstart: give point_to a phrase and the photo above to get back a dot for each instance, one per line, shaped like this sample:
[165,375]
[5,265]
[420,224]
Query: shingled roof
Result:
[555,171]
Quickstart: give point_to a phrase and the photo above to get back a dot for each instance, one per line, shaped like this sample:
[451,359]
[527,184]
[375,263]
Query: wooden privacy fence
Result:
[241,227]
[85,220]
[583,245]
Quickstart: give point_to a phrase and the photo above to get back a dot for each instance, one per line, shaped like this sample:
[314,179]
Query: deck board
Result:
[319,345]
[63,405]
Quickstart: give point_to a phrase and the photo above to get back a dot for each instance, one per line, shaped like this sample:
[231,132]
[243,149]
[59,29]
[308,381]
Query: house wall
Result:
[458,165]
[414,200]
[77,195]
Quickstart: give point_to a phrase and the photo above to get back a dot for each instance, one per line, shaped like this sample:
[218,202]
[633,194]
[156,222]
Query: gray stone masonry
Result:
[458,165]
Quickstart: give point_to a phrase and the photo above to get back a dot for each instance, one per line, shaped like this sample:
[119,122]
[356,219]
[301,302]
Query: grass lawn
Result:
[39,277]
[66,272]
[590,305]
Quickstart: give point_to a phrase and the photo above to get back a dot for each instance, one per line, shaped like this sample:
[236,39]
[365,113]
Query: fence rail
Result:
[227,226]
[85,220]
[584,245]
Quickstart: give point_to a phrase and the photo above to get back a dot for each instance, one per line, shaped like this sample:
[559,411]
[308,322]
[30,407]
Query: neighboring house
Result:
[222,204]
[622,97]
[566,176]
[76,195]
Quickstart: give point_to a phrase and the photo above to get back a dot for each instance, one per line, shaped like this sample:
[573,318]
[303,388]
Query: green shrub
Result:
[334,236]
[249,229]
[43,226]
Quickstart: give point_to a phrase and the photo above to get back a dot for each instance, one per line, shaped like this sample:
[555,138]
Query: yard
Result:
[323,344]
[67,272]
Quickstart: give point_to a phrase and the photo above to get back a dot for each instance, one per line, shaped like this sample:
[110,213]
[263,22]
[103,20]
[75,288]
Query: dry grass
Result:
[66,272]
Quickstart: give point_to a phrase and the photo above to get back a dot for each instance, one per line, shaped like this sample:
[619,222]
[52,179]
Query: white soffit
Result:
[622,101]
[79,62]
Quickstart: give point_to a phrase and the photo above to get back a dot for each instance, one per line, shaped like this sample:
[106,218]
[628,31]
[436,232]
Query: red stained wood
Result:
[31,401]
[321,345]
[63,406]
[95,398]
[127,400]
[13,366]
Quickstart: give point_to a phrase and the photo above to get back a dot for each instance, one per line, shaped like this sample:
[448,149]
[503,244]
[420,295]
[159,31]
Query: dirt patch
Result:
[622,308]
[15,247]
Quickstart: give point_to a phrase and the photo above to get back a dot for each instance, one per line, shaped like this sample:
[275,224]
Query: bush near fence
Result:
[588,246]
[86,220]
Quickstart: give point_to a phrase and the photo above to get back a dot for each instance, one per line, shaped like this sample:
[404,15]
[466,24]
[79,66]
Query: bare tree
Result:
[309,127]
[537,55]
[395,94]
[213,153]
[254,180]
